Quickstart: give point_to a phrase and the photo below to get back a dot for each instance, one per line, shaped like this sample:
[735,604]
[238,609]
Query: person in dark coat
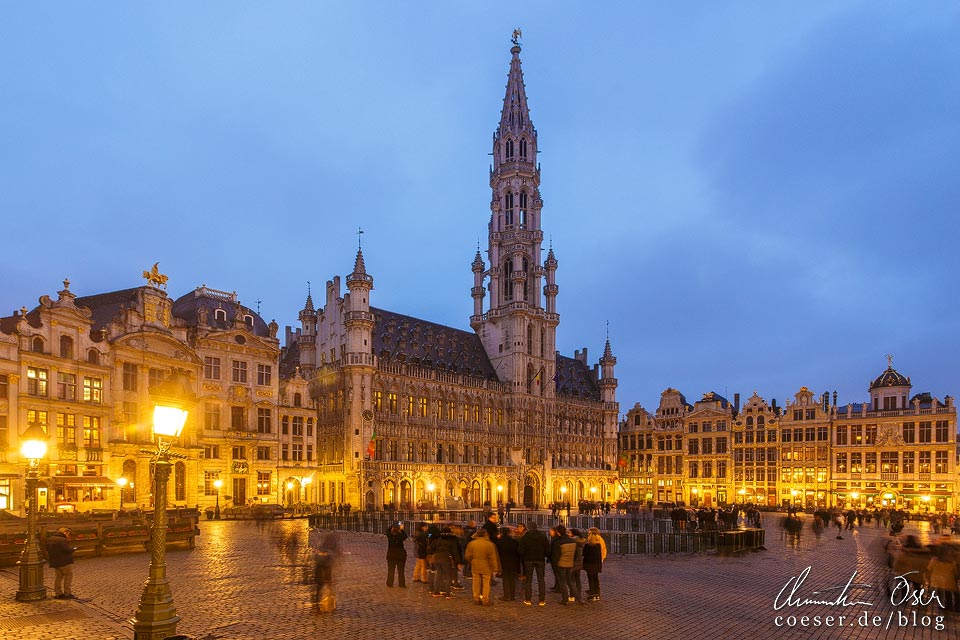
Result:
[396,554]
[594,553]
[534,549]
[420,553]
[445,550]
[60,557]
[509,563]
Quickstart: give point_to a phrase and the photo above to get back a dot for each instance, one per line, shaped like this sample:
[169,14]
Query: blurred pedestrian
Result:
[60,557]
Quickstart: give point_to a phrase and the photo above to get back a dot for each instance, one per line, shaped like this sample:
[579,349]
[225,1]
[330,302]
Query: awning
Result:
[84,481]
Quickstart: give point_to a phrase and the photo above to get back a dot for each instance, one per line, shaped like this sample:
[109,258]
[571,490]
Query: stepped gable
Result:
[575,379]
[398,338]
[106,306]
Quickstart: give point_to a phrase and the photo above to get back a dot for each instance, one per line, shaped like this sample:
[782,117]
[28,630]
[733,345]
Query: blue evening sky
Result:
[757,196]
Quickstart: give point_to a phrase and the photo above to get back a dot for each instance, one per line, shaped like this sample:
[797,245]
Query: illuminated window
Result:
[93,390]
[37,382]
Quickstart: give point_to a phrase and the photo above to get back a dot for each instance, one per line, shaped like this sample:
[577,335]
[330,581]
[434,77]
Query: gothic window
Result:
[529,377]
[507,284]
[509,149]
[523,147]
[523,209]
[541,342]
[508,210]
[529,339]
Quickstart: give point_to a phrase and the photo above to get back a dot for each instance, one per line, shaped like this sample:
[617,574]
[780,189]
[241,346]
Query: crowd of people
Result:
[712,519]
[491,555]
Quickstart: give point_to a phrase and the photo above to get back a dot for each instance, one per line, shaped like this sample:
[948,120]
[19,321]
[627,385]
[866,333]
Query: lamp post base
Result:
[156,618]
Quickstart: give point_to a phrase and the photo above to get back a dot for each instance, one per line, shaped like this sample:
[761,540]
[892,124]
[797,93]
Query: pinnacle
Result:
[358,266]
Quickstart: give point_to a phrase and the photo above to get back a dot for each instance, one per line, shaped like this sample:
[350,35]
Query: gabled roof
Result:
[400,338]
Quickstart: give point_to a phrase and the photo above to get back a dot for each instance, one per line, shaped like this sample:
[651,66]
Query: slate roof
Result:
[106,306]
[575,379]
[400,338]
[186,306]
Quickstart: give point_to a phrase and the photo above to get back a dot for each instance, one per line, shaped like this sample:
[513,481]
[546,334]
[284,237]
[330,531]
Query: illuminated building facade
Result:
[898,450]
[413,412]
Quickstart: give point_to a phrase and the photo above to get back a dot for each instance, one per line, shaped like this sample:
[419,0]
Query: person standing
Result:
[594,553]
[420,553]
[484,563]
[534,549]
[446,557]
[562,552]
[509,563]
[396,554]
[575,584]
[60,556]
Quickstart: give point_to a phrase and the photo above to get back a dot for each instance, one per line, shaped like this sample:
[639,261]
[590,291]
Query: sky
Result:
[755,196]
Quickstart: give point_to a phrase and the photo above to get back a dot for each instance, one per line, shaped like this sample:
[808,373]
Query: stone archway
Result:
[531,491]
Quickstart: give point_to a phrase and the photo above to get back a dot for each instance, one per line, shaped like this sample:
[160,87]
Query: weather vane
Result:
[517,34]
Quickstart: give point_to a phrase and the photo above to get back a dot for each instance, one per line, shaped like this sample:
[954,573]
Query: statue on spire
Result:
[517,34]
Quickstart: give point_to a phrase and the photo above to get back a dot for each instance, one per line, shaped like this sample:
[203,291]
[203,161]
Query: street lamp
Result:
[499,494]
[33,447]
[216,510]
[156,617]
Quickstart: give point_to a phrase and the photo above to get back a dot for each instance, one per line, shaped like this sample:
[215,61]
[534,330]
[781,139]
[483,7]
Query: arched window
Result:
[248,320]
[509,149]
[220,314]
[530,339]
[93,356]
[66,347]
[749,422]
[507,284]
[128,493]
[508,209]
[37,345]
[542,348]
[760,421]
[529,377]
[523,209]
[523,148]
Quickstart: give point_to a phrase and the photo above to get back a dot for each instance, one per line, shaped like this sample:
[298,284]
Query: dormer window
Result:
[37,345]
[248,320]
[93,356]
[220,314]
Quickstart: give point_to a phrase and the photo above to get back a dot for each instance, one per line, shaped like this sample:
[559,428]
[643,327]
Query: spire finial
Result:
[608,331]
[308,288]
[515,39]
[359,233]
[890,360]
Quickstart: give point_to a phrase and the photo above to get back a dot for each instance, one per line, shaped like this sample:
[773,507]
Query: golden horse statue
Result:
[154,276]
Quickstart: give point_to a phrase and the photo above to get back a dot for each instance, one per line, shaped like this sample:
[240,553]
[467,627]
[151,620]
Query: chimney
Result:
[736,403]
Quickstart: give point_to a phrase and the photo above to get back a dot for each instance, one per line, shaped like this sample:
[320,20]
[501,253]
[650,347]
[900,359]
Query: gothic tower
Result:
[357,361]
[518,333]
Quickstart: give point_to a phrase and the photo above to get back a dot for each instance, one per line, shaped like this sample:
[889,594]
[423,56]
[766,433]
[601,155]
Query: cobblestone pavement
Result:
[244,581]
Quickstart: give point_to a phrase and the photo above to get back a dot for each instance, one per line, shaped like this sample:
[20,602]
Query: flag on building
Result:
[622,462]
[536,378]
[372,447]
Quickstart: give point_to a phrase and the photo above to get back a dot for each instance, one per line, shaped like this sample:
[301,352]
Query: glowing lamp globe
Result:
[33,442]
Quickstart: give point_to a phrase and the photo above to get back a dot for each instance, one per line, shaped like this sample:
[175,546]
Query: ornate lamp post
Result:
[33,447]
[499,494]
[216,510]
[156,617]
